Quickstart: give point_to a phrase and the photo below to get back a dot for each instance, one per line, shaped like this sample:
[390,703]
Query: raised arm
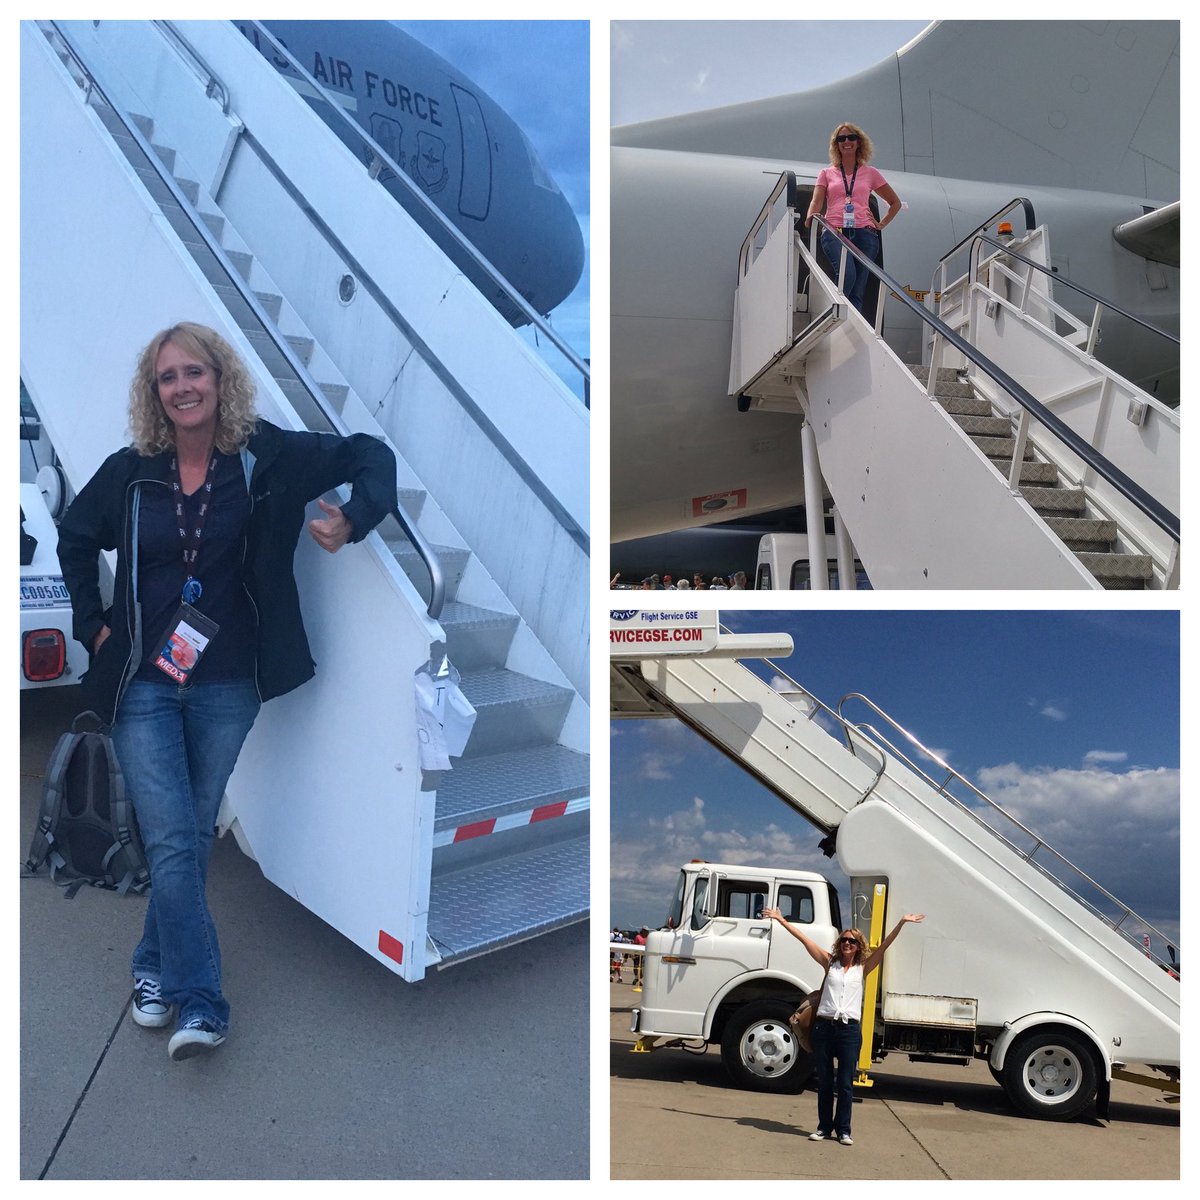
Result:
[821,955]
[875,957]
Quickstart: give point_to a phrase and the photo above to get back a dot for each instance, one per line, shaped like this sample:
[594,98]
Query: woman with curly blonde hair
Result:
[837,1025]
[842,195]
[204,511]
[152,431]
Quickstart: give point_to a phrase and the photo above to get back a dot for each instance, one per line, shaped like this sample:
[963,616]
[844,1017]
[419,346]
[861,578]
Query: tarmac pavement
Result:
[674,1115]
[334,1068]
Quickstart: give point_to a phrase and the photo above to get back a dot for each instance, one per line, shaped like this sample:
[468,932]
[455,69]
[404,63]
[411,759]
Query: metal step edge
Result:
[542,774]
[965,406]
[491,817]
[1056,500]
[1032,471]
[496,688]
[1118,566]
[469,618]
[490,905]
[1084,529]
[998,447]
[984,426]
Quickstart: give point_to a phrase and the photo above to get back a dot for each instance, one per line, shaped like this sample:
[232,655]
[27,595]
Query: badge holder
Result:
[188,637]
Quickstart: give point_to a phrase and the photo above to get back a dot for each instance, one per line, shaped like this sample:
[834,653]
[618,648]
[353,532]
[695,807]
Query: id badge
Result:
[187,638]
[848,215]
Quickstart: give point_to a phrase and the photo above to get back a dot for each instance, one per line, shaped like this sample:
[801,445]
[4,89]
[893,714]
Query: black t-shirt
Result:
[218,567]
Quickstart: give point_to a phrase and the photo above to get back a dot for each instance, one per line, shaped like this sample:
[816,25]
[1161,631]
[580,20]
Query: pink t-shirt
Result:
[868,180]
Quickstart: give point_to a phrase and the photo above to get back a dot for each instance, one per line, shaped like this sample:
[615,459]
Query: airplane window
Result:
[475,188]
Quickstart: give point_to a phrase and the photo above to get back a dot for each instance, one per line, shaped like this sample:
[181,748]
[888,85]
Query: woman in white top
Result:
[837,1028]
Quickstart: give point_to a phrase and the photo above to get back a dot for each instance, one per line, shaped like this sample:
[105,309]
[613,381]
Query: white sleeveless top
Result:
[842,999]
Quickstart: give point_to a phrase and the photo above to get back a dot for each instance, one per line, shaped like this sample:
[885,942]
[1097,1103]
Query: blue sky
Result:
[539,73]
[1069,719]
[662,68]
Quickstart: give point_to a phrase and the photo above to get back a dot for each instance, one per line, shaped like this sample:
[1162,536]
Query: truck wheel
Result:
[1050,1074]
[760,1051]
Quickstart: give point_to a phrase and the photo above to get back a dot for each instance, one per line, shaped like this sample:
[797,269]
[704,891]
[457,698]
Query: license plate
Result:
[44,591]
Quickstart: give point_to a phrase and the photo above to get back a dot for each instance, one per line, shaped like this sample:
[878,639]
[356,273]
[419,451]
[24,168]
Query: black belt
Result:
[838,1021]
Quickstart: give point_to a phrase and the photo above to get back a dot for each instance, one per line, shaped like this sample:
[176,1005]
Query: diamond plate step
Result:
[477,637]
[454,561]
[513,780]
[486,906]
[1085,533]
[1119,571]
[986,426]
[995,447]
[1031,471]
[965,406]
[512,710]
[1056,500]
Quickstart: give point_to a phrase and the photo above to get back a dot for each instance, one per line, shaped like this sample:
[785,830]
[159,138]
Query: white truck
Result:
[1023,960]
[783,565]
[50,656]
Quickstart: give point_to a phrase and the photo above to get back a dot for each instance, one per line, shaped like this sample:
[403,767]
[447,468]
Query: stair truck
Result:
[1023,961]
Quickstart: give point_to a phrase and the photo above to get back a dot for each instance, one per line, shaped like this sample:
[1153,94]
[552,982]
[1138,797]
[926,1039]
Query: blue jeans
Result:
[834,1040]
[177,748]
[867,240]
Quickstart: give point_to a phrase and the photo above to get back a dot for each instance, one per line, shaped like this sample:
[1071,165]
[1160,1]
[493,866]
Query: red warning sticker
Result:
[703,506]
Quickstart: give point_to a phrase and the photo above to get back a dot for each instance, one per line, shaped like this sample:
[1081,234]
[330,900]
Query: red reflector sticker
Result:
[548,810]
[479,829]
[392,948]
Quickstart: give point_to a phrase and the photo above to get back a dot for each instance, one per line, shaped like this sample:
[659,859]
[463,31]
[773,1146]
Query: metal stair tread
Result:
[528,777]
[458,616]
[487,905]
[1059,500]
[1083,529]
[495,686]
[1118,566]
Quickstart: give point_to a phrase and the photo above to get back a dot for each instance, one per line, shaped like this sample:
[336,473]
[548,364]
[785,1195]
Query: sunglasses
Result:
[847,941]
[846,137]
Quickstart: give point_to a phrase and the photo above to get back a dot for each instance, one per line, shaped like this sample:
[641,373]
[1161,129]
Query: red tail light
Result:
[44,654]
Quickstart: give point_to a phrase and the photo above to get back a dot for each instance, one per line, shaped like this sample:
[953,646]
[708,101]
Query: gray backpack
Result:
[86,827]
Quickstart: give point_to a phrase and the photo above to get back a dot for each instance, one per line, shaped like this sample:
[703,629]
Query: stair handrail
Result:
[1039,843]
[1058,279]
[332,417]
[1152,508]
[431,210]
[215,82]
[847,728]
[938,280]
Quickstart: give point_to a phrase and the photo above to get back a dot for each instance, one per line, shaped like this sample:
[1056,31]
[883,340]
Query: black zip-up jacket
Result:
[290,469]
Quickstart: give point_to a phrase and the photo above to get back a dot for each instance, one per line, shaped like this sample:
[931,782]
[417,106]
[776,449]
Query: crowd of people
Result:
[668,583]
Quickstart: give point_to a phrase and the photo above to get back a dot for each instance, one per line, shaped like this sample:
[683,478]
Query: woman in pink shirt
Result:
[842,196]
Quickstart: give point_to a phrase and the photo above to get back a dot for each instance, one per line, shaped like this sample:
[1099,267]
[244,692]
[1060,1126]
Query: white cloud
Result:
[1053,712]
[1120,827]
[1096,757]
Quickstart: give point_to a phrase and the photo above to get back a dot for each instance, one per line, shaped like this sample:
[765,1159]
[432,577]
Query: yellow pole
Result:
[871,988]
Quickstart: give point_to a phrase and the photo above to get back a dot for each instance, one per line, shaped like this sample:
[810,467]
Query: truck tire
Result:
[760,1051]
[1050,1074]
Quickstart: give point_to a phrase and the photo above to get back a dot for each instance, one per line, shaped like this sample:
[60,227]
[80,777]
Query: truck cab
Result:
[716,974]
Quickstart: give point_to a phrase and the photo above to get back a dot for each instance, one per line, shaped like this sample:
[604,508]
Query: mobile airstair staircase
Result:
[1025,463]
[1020,930]
[252,217]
